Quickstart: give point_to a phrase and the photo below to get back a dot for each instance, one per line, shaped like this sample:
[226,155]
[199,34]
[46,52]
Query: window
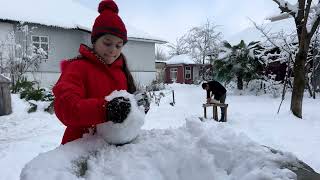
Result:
[187,72]
[41,42]
[174,74]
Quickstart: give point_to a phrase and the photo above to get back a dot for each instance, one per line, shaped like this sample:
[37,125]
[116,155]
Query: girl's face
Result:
[108,47]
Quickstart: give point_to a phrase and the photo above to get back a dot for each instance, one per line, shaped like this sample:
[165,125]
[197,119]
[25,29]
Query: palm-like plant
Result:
[238,62]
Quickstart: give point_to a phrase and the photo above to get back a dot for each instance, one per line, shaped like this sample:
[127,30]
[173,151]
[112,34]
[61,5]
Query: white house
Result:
[60,26]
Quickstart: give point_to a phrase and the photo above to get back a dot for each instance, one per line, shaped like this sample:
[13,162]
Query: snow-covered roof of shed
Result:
[180,59]
[253,34]
[160,61]
[67,14]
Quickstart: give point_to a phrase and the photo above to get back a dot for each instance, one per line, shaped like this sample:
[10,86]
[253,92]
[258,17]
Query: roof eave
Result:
[158,41]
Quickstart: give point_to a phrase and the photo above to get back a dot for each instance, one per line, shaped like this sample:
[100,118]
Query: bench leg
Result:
[225,114]
[205,112]
[215,113]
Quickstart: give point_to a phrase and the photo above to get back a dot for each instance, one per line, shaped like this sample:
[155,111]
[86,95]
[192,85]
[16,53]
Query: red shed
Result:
[181,69]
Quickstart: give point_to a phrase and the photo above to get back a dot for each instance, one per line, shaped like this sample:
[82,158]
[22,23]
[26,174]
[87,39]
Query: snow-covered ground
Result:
[23,136]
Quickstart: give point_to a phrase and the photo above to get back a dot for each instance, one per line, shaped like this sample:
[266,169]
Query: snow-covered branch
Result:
[287,7]
[307,10]
[315,21]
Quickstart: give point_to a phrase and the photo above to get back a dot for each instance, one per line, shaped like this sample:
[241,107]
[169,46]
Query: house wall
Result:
[195,73]
[180,75]
[5,30]
[195,69]
[45,79]
[64,44]
[141,61]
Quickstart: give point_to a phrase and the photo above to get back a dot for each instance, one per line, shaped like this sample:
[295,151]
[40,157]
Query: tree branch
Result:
[284,8]
[300,15]
[307,10]
[314,26]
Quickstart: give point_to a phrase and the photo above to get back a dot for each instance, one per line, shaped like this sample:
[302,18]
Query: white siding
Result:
[5,47]
[196,70]
[141,61]
[64,44]
[47,79]
[5,29]
[143,78]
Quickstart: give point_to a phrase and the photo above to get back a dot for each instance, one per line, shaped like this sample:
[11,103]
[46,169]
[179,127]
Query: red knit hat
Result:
[108,22]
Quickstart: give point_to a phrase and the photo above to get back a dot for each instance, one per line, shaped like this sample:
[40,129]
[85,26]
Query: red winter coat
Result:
[79,93]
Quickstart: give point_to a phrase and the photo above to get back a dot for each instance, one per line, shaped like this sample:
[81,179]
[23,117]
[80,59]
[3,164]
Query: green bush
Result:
[33,94]
[28,92]
[21,84]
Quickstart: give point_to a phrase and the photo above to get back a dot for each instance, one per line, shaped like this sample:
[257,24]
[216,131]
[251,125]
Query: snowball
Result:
[128,130]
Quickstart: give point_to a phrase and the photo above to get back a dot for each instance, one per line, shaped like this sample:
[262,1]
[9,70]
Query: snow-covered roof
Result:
[253,34]
[67,14]
[160,61]
[180,59]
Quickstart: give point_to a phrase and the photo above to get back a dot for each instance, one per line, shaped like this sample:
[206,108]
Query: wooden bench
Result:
[214,110]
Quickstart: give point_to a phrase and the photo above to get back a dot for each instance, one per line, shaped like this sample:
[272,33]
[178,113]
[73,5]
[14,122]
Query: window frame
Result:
[174,71]
[40,42]
[187,72]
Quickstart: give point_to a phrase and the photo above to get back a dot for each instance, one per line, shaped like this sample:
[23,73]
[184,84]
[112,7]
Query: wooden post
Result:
[225,113]
[5,96]
[205,111]
[174,102]
[215,113]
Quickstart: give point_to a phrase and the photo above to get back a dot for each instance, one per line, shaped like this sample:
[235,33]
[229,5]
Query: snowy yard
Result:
[23,136]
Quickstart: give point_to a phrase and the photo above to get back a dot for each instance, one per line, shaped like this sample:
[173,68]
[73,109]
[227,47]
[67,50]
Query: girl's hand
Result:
[118,109]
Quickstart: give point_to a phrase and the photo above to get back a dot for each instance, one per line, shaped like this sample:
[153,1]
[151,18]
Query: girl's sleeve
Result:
[70,104]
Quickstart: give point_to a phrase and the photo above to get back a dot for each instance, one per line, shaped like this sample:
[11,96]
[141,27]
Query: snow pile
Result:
[199,150]
[120,133]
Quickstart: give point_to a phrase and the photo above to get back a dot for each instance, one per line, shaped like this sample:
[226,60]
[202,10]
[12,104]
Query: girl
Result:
[86,80]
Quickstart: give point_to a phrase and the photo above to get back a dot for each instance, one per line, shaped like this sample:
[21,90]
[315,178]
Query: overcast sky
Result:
[170,19]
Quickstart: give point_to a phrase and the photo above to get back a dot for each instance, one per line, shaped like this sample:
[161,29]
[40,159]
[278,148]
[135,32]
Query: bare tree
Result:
[160,54]
[179,47]
[20,55]
[203,40]
[305,27]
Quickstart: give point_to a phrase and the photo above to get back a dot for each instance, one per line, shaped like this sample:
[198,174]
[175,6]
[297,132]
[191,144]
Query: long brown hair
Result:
[130,81]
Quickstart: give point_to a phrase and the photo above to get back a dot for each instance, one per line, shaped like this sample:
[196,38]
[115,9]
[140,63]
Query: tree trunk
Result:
[239,82]
[298,82]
